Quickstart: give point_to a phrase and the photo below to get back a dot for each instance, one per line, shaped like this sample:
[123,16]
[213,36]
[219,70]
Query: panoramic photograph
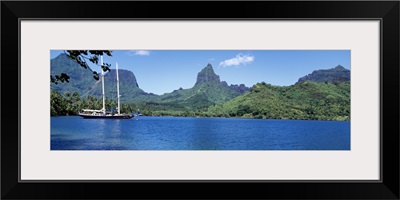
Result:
[200,100]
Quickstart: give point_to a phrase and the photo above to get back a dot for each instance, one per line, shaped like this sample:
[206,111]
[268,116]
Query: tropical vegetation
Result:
[321,95]
[71,104]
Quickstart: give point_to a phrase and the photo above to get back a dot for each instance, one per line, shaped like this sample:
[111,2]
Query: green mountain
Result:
[323,95]
[128,87]
[207,75]
[339,74]
[305,100]
[208,90]
[81,79]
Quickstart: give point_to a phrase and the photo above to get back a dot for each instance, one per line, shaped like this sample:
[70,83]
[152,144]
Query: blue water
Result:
[186,133]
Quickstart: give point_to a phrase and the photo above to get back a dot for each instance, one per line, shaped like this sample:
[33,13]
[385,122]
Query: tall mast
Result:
[102,83]
[116,67]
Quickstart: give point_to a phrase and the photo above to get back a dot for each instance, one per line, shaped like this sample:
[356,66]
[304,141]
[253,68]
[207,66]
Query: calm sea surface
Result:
[186,133]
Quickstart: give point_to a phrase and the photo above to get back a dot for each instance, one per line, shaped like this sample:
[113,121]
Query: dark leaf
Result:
[105,68]
[52,79]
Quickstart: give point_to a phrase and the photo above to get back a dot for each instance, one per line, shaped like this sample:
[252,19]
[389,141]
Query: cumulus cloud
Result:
[238,60]
[139,53]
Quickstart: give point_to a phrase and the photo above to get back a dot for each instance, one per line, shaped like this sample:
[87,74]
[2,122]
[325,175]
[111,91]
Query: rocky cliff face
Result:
[207,75]
[208,88]
[239,88]
[125,77]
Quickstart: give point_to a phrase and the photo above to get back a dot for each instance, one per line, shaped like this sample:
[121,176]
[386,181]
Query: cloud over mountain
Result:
[237,60]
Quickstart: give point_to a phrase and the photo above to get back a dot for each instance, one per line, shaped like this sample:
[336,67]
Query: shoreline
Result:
[226,118]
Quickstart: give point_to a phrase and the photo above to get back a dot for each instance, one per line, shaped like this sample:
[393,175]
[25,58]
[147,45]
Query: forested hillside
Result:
[321,95]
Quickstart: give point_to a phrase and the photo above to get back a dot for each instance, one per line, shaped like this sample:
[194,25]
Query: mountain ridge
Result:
[321,95]
[306,101]
[208,89]
[336,75]
[80,78]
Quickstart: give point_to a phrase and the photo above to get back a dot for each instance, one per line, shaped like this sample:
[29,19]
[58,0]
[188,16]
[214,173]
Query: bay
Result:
[191,133]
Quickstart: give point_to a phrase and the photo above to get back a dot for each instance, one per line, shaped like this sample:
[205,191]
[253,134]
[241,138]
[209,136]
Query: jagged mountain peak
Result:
[340,67]
[206,75]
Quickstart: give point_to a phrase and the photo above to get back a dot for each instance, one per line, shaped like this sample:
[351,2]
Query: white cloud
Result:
[238,60]
[139,53]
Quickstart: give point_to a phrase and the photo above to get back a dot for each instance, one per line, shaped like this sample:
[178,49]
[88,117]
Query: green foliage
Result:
[79,79]
[187,102]
[207,91]
[129,89]
[63,77]
[208,98]
[71,104]
[80,57]
[307,100]
[213,92]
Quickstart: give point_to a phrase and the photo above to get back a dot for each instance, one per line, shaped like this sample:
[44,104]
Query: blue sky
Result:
[162,71]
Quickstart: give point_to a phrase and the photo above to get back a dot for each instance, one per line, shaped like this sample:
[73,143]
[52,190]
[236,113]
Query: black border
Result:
[387,11]
[199,180]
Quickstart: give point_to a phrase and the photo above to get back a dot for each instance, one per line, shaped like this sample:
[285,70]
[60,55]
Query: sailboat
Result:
[102,114]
